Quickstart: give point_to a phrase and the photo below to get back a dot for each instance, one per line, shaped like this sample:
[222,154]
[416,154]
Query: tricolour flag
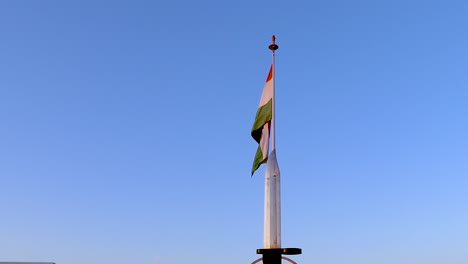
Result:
[261,127]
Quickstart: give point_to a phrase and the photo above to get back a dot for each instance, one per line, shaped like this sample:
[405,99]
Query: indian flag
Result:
[261,127]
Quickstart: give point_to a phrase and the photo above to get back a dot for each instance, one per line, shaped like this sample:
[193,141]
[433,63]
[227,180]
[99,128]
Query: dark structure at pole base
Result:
[273,255]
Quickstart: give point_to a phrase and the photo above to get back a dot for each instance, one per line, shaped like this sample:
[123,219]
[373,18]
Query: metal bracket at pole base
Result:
[274,255]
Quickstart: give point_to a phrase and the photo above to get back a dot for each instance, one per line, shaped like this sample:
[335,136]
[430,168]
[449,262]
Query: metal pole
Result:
[272,217]
[272,251]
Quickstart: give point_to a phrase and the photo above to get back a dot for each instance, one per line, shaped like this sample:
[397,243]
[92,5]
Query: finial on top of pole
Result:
[273,45]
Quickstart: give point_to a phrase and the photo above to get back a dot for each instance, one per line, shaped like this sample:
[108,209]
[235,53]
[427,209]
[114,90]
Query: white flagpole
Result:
[272,217]
[272,251]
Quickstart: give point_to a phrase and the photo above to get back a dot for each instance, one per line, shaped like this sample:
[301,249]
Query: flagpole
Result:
[272,221]
[272,251]
[276,197]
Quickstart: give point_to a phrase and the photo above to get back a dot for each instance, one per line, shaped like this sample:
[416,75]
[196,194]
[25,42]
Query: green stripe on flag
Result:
[258,160]
[264,114]
[262,119]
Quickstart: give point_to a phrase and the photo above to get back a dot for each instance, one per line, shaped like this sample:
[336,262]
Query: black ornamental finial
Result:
[273,45]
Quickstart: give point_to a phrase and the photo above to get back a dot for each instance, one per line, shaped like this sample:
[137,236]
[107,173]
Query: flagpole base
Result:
[273,255]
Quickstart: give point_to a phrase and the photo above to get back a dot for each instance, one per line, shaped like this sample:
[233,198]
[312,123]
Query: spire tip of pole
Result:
[273,45]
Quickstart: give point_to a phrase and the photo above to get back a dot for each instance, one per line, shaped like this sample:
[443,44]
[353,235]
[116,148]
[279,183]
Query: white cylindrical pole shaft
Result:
[272,213]
[272,221]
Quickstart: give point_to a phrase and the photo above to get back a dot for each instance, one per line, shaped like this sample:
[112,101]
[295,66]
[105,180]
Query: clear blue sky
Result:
[125,130]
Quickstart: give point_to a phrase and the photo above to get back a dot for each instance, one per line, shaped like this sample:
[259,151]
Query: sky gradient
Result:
[125,130]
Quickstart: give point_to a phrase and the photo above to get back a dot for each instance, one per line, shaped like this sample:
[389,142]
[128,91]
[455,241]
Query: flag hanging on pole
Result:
[261,127]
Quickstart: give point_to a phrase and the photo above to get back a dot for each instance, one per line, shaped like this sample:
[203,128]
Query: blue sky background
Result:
[125,130]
